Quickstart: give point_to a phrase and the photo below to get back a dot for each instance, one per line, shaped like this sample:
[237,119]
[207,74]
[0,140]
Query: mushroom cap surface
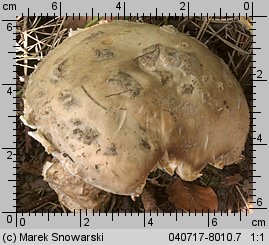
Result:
[116,100]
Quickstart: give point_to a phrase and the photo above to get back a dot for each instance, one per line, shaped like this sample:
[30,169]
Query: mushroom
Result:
[117,100]
[72,191]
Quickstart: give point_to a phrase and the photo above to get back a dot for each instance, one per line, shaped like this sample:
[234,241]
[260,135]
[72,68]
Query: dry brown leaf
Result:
[191,197]
[76,22]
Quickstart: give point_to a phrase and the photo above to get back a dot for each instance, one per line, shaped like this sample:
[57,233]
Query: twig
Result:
[242,196]
[40,201]
[94,100]
[241,51]
[216,32]
[233,53]
[25,45]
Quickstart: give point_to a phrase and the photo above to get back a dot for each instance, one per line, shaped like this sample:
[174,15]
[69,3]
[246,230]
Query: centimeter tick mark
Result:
[182,9]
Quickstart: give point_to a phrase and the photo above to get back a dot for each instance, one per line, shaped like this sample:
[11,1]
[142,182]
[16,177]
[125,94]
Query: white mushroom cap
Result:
[116,100]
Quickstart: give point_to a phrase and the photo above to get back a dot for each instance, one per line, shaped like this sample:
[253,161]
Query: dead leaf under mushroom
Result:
[191,197]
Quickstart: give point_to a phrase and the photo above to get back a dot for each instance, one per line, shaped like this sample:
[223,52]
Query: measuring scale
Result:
[244,227]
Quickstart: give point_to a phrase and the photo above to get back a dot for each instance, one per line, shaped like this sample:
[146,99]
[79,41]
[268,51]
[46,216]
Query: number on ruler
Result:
[118,6]
[86,222]
[9,157]
[9,219]
[246,5]
[259,138]
[259,202]
[182,6]
[214,222]
[9,91]
[259,74]
[9,26]
[150,222]
[20,221]
[54,6]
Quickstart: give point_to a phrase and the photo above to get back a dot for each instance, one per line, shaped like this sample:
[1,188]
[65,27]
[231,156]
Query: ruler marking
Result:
[79,217]
[60,10]
[259,16]
[16,219]
[252,10]
[144,218]
[257,143]
[240,215]
[208,218]
[188,11]
[258,208]
[124,10]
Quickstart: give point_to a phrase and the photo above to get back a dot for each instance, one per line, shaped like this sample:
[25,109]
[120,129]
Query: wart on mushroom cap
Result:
[144,96]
